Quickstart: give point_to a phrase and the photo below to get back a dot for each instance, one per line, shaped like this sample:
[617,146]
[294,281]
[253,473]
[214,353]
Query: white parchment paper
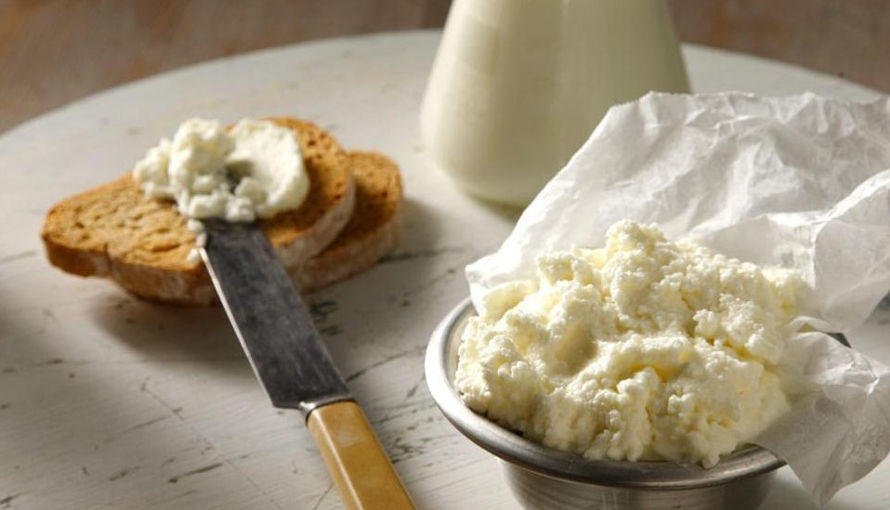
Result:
[800,182]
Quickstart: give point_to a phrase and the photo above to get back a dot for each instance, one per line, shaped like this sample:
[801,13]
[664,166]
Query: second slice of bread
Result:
[371,233]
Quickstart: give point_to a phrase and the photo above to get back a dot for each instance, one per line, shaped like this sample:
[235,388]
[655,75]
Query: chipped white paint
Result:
[106,401]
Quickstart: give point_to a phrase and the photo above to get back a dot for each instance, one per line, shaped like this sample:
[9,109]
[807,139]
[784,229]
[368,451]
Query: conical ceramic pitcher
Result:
[518,85]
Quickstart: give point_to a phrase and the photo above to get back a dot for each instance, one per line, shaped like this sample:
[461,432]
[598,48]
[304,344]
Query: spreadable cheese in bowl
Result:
[644,350]
[546,478]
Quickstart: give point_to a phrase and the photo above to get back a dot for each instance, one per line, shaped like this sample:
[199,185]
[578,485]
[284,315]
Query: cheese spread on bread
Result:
[646,349]
[253,170]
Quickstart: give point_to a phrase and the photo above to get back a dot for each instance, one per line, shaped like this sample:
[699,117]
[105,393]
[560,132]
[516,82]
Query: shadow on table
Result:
[408,279]
[508,212]
[419,236]
[166,332]
[82,412]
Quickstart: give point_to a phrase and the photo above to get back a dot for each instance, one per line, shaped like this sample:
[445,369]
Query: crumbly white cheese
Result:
[253,170]
[643,350]
[197,228]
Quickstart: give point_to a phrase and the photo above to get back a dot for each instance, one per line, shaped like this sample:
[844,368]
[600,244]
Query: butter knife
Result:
[290,360]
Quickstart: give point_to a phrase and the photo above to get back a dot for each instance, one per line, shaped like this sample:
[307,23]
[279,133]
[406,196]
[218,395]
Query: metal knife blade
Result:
[269,318]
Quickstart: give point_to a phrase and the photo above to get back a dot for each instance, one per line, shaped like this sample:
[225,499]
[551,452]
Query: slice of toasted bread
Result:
[370,234]
[116,231]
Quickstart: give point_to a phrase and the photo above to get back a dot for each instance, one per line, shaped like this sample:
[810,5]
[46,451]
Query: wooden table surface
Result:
[110,402]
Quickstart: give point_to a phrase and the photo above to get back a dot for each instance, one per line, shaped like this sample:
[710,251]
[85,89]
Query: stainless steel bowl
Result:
[541,477]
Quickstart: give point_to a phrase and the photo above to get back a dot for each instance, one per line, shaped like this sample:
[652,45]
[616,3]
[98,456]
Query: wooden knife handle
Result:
[355,459]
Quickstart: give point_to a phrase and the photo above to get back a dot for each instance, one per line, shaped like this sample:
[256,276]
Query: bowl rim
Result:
[515,449]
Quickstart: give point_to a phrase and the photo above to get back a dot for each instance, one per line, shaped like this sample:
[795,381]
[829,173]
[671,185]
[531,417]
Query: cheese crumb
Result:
[646,349]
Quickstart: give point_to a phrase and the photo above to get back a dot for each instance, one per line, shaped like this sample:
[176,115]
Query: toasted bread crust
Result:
[116,231]
[370,234]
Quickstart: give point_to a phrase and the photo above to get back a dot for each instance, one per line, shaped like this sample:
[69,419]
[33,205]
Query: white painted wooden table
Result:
[109,402]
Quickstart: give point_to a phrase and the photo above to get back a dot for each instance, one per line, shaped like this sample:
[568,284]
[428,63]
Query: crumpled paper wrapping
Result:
[800,182]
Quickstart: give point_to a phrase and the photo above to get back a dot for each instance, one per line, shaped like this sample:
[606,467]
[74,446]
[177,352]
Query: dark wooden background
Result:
[55,51]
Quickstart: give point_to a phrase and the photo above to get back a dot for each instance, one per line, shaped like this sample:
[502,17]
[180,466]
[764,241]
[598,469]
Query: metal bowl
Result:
[542,477]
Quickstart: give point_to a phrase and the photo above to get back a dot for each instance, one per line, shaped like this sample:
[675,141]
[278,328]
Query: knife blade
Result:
[289,358]
[270,319]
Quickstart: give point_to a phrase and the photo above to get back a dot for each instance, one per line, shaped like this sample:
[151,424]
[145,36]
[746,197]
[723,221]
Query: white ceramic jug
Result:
[518,85]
